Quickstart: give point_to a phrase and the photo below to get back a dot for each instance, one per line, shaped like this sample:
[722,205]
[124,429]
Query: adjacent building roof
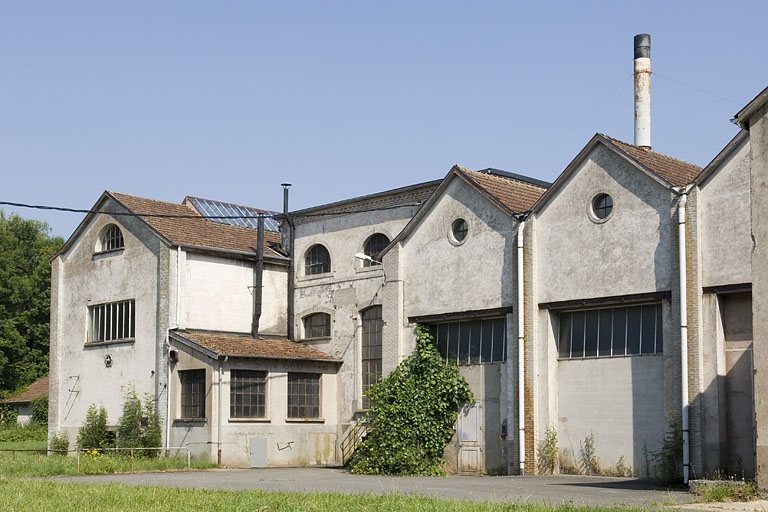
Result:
[512,193]
[742,118]
[183,225]
[410,196]
[221,344]
[667,171]
[36,390]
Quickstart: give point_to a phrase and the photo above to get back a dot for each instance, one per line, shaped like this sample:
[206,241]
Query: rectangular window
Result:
[192,393]
[608,332]
[303,395]
[472,341]
[247,394]
[114,321]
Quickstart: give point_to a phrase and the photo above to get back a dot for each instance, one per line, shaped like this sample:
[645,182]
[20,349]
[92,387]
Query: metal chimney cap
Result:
[286,185]
[643,46]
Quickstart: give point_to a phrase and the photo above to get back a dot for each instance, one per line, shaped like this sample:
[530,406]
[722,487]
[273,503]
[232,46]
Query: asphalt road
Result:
[558,489]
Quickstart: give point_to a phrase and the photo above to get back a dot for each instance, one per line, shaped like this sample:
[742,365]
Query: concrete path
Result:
[558,489]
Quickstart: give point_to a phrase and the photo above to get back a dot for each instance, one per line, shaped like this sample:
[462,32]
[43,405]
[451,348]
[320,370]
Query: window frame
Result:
[304,396]
[108,322]
[111,239]
[632,323]
[472,341]
[317,260]
[192,387]
[600,209]
[371,350]
[247,385]
[310,329]
[459,231]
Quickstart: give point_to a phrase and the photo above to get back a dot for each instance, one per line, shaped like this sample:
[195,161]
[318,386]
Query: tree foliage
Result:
[139,424]
[25,296]
[93,434]
[412,414]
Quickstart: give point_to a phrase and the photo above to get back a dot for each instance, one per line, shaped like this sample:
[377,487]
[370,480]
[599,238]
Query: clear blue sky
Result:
[226,100]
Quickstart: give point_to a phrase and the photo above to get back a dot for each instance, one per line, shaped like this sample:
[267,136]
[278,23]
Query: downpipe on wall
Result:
[681,214]
[220,417]
[521,344]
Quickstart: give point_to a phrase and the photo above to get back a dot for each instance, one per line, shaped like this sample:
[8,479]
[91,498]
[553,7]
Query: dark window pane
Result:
[499,340]
[619,331]
[373,247]
[590,333]
[564,340]
[486,341]
[475,341]
[317,261]
[659,330]
[453,343]
[604,333]
[371,350]
[634,314]
[317,325]
[648,338]
[577,335]
[442,340]
[464,332]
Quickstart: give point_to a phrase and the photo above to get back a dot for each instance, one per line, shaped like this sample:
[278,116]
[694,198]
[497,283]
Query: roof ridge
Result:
[648,151]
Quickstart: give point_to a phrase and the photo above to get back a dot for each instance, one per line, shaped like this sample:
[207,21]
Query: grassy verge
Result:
[18,495]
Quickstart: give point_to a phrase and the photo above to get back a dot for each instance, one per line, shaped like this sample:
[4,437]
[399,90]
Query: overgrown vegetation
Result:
[590,464]
[548,452]
[670,458]
[718,487]
[94,433]
[49,496]
[139,425]
[25,284]
[412,414]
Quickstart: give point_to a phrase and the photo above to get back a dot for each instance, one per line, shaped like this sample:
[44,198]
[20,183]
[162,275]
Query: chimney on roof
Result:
[643,91]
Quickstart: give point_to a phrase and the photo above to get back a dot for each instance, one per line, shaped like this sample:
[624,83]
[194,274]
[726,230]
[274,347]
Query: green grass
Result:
[18,495]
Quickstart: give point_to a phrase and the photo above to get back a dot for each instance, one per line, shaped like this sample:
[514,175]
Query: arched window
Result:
[317,325]
[373,247]
[371,350]
[111,239]
[317,261]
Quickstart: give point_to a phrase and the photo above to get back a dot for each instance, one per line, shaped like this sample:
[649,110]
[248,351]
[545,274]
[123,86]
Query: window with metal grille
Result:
[247,394]
[373,247]
[303,395]
[371,350]
[113,321]
[317,325]
[317,261]
[611,332]
[602,206]
[472,341]
[192,393]
[111,238]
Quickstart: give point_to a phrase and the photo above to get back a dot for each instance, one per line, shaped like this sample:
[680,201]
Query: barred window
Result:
[317,325]
[113,321]
[192,393]
[247,394]
[303,395]
[371,349]
[472,341]
[111,238]
[611,332]
[373,247]
[317,261]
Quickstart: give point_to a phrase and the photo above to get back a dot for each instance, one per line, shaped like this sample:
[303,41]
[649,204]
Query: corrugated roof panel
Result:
[234,214]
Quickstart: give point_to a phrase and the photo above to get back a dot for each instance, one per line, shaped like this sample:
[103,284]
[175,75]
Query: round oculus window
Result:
[459,230]
[602,206]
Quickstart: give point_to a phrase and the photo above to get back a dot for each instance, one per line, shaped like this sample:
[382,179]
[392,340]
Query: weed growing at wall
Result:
[590,464]
[60,443]
[139,425]
[548,451]
[93,433]
[670,457]
[412,414]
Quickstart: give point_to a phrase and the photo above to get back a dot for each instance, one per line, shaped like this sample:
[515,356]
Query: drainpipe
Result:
[520,345]
[684,330]
[258,285]
[291,270]
[178,284]
[220,417]
[168,390]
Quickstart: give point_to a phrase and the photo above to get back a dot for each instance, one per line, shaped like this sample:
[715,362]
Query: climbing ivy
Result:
[412,414]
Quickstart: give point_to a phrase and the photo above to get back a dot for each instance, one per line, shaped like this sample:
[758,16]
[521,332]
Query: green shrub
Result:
[60,443]
[548,451]
[139,426]
[8,416]
[93,433]
[590,464]
[40,410]
[412,414]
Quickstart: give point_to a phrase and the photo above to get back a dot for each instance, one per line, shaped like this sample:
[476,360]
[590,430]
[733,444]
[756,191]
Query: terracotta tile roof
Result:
[244,345]
[517,195]
[675,172]
[193,229]
[36,389]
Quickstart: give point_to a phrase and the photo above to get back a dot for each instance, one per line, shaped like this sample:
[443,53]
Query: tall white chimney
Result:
[643,91]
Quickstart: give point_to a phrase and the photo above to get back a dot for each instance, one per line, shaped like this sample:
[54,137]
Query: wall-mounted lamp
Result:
[173,356]
[365,257]
[108,360]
